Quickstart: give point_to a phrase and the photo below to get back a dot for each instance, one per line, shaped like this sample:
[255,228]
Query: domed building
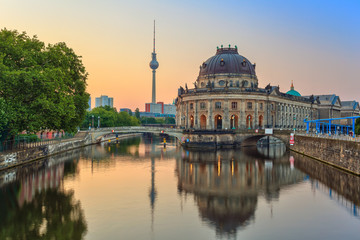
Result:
[226,95]
[293,91]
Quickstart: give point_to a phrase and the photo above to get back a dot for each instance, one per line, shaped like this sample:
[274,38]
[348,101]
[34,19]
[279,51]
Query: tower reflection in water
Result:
[226,184]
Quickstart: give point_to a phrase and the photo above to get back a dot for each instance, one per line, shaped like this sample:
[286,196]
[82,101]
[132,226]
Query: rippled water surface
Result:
[137,189]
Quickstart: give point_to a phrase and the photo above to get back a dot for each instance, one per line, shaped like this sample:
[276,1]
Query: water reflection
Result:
[226,184]
[229,188]
[34,205]
[342,187]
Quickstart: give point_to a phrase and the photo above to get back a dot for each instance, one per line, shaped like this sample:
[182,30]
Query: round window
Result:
[221,82]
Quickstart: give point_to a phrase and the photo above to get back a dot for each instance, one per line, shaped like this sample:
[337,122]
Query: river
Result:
[139,189]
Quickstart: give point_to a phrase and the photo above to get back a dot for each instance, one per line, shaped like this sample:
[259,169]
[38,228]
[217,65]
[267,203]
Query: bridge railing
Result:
[333,136]
[27,143]
[137,128]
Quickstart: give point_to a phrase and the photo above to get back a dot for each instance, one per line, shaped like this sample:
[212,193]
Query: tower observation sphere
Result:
[154,64]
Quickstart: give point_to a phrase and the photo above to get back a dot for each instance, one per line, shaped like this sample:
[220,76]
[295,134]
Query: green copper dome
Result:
[293,92]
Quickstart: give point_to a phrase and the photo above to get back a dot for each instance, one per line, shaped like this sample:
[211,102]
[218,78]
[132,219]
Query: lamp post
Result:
[98,121]
[92,121]
[249,122]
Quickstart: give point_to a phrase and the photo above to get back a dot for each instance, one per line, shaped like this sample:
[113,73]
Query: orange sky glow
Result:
[312,44]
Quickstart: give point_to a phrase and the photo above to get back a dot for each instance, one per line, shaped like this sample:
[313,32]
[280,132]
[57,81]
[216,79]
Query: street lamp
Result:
[249,122]
[92,121]
[98,121]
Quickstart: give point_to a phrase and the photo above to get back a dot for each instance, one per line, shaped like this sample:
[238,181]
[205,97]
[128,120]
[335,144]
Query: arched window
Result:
[249,120]
[218,122]
[234,121]
[202,122]
[191,121]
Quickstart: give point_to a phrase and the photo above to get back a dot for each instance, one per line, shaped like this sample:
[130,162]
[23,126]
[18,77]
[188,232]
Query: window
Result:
[202,105]
[202,84]
[217,105]
[191,106]
[234,105]
[272,107]
[261,106]
[221,82]
[249,105]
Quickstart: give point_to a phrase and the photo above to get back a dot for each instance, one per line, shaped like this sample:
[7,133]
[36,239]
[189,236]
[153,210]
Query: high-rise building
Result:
[103,101]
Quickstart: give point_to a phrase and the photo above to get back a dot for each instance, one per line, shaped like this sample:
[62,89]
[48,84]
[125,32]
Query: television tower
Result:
[154,65]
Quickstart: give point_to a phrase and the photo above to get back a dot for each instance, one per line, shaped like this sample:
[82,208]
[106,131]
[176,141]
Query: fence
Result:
[25,142]
[333,136]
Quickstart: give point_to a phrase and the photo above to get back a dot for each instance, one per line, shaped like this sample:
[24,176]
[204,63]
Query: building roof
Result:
[292,91]
[330,99]
[350,105]
[227,60]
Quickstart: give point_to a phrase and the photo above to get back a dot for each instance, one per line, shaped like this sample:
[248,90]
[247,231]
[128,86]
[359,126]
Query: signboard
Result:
[268,131]
[182,139]
[292,139]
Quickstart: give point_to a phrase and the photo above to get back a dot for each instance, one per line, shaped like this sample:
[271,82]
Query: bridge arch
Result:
[253,140]
[98,134]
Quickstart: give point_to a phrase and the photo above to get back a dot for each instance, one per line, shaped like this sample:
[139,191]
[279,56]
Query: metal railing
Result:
[342,137]
[21,143]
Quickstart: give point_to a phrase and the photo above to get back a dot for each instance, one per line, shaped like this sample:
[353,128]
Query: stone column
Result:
[266,113]
[242,119]
[256,115]
[187,115]
[226,118]
[209,119]
[197,120]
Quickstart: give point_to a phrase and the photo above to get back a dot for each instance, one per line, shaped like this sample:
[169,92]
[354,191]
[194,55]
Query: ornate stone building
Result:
[226,96]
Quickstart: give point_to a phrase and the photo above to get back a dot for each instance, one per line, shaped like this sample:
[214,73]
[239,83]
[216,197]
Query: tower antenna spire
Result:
[154,35]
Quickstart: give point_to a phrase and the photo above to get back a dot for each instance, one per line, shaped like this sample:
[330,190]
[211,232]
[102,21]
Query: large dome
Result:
[227,60]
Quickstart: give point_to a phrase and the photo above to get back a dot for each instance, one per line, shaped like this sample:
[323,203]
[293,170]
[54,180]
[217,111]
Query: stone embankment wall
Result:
[12,159]
[339,153]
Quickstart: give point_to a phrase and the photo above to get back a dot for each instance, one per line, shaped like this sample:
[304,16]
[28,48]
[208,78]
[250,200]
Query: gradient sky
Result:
[312,42]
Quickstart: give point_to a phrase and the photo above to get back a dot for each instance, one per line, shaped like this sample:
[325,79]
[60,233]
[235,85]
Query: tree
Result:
[44,87]
[169,120]
[109,117]
[357,126]
[137,113]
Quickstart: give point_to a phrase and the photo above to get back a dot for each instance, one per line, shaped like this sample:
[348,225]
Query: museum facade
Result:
[226,96]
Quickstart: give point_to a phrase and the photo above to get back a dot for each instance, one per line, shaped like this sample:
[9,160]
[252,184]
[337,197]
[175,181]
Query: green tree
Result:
[357,126]
[137,113]
[169,120]
[109,117]
[44,87]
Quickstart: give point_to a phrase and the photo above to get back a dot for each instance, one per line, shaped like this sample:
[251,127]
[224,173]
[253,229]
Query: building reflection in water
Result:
[226,184]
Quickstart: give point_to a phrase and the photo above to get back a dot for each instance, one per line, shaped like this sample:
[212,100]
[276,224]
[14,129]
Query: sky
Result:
[314,43]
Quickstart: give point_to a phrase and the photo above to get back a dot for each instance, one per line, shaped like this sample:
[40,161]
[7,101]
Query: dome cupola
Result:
[227,66]
[292,91]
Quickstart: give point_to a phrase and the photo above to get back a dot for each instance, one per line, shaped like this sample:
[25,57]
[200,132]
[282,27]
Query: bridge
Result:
[98,134]
[195,138]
